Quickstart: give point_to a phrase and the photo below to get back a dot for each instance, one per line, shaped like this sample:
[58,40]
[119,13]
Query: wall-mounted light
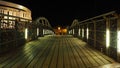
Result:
[79,32]
[69,31]
[87,32]
[118,41]
[73,32]
[107,37]
[26,33]
[37,31]
[82,32]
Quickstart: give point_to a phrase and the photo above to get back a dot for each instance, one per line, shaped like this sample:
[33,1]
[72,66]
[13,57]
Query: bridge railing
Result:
[45,27]
[101,32]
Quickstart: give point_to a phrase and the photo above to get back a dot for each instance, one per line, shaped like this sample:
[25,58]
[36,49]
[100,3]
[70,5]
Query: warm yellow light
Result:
[21,7]
[118,41]
[64,30]
[107,38]
[58,28]
[5,17]
[26,33]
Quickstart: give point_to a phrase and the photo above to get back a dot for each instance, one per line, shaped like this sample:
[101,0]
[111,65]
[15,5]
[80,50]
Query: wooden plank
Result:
[94,57]
[97,56]
[88,54]
[83,55]
[12,56]
[66,56]
[78,58]
[25,57]
[91,60]
[104,61]
[49,57]
[106,58]
[38,60]
[42,58]
[40,52]
[71,55]
[53,63]
[8,62]
[28,49]
[97,59]
[60,54]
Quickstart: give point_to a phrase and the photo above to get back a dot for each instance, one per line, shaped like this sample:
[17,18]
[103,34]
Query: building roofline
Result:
[14,5]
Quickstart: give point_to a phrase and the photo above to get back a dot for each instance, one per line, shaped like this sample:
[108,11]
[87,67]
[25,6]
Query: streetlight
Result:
[59,28]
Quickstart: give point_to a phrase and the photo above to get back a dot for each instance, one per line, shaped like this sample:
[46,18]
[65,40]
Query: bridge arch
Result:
[44,26]
[44,21]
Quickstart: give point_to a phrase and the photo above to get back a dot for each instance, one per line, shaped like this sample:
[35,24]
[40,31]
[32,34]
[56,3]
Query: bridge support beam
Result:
[94,34]
[107,35]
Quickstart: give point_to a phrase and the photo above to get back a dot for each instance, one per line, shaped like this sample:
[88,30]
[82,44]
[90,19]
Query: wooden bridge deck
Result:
[54,52]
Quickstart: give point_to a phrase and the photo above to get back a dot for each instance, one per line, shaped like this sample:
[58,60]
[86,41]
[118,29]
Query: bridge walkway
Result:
[60,51]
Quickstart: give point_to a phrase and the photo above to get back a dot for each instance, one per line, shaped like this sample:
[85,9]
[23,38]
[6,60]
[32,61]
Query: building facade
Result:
[14,22]
[10,12]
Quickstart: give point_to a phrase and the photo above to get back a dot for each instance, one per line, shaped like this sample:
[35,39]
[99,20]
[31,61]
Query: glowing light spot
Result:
[107,38]
[87,33]
[37,31]
[73,32]
[79,32]
[26,33]
[59,28]
[43,31]
[118,41]
[82,32]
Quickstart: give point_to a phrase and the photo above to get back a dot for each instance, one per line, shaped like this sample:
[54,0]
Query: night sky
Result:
[63,13]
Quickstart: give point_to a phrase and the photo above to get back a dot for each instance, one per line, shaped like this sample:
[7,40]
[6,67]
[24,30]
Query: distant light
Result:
[73,32]
[79,32]
[59,28]
[107,38]
[82,32]
[43,31]
[64,30]
[69,32]
[37,31]
[118,42]
[26,33]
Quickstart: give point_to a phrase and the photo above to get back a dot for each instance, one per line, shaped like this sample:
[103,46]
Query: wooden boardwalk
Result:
[54,52]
